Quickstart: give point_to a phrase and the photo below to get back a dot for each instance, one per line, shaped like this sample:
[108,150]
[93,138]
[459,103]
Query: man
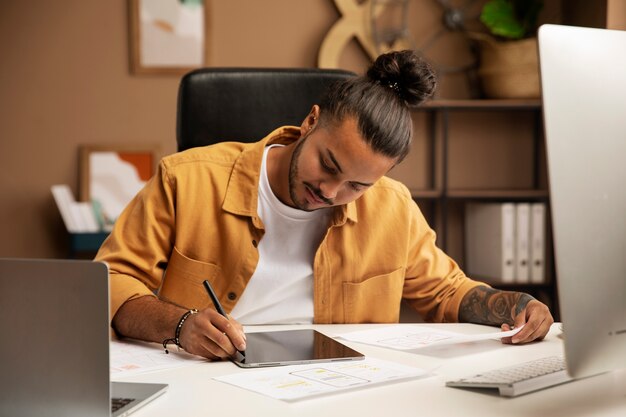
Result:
[300,227]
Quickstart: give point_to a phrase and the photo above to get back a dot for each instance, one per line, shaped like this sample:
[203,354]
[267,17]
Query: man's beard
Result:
[293,175]
[293,180]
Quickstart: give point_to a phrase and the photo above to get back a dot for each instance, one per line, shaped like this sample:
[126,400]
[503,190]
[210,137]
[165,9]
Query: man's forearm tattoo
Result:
[484,305]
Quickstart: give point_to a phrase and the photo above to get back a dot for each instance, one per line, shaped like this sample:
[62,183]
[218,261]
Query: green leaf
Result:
[500,17]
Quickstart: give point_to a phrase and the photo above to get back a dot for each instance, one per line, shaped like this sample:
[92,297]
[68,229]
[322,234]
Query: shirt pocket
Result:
[374,300]
[182,284]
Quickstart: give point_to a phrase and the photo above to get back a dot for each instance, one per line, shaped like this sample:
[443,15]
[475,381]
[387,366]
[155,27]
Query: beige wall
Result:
[64,81]
[616,14]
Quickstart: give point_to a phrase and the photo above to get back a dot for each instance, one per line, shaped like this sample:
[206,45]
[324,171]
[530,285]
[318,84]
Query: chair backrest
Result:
[245,104]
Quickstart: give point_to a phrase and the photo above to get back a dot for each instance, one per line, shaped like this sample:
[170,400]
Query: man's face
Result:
[333,165]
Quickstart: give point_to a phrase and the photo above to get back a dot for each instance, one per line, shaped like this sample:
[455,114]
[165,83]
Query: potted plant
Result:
[509,65]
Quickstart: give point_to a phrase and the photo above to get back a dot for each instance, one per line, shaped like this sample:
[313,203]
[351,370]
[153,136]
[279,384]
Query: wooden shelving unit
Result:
[443,200]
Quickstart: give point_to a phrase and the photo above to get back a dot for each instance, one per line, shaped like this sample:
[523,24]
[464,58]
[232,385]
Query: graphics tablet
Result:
[292,347]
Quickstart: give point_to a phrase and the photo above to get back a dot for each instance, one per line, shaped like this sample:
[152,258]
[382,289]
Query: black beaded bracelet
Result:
[176,338]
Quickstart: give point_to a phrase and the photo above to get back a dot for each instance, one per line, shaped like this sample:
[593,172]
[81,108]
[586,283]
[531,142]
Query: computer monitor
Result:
[583,77]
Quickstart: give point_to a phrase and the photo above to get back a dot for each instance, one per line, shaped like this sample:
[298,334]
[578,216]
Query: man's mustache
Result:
[318,194]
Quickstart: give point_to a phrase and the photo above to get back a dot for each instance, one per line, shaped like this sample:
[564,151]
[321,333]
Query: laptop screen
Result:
[54,321]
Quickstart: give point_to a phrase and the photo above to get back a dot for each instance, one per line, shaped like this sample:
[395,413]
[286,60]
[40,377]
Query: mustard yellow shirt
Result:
[197,219]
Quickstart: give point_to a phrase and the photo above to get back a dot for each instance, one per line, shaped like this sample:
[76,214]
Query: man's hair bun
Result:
[380,101]
[408,75]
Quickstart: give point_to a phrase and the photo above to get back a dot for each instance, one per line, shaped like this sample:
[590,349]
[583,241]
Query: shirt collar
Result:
[242,192]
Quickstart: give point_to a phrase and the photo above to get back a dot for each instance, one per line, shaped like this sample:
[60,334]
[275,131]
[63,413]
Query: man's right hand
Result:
[212,335]
[206,333]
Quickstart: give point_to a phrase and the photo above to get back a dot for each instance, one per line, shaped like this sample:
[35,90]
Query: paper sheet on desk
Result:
[298,382]
[405,337]
[133,357]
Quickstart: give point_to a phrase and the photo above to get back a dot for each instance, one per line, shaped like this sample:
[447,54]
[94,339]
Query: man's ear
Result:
[310,121]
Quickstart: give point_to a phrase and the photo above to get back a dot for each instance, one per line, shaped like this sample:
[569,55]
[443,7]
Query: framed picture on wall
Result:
[111,176]
[167,36]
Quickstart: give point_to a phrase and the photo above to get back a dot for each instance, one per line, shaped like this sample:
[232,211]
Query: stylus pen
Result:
[217,304]
[214,299]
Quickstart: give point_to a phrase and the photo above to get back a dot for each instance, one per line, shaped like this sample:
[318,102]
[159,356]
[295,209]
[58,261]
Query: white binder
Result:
[66,203]
[538,245]
[522,243]
[490,241]
[77,216]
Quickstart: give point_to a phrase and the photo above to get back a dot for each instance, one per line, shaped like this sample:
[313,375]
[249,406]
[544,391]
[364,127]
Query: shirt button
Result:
[232,296]
[255,243]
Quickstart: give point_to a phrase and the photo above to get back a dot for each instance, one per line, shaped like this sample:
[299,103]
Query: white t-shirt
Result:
[281,288]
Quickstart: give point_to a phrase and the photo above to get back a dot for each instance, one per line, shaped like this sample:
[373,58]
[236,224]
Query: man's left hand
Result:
[535,318]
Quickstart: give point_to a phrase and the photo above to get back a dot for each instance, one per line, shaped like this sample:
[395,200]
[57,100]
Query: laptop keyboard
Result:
[117,403]
[519,379]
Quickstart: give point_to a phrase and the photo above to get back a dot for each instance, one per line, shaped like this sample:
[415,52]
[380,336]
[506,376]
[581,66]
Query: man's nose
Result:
[329,188]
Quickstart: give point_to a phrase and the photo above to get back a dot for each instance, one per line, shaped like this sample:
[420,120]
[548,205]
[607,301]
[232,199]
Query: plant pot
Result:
[508,69]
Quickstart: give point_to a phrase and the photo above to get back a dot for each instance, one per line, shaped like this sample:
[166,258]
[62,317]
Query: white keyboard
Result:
[519,379]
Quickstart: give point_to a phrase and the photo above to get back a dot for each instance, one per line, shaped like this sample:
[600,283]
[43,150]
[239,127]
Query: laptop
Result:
[54,322]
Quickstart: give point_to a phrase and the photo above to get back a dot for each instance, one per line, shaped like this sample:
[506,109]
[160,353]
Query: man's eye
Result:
[355,186]
[327,167]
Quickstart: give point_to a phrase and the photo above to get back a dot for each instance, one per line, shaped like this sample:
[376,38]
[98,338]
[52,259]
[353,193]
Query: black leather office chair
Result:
[245,104]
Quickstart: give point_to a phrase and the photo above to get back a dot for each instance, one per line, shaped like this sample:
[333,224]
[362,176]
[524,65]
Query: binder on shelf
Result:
[538,242]
[77,216]
[65,202]
[522,243]
[490,241]
[88,217]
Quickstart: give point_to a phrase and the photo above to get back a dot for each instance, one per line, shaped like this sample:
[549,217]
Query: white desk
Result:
[193,392]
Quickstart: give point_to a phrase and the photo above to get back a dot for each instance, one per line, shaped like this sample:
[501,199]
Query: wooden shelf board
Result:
[468,194]
[525,194]
[489,104]
[422,194]
[513,285]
